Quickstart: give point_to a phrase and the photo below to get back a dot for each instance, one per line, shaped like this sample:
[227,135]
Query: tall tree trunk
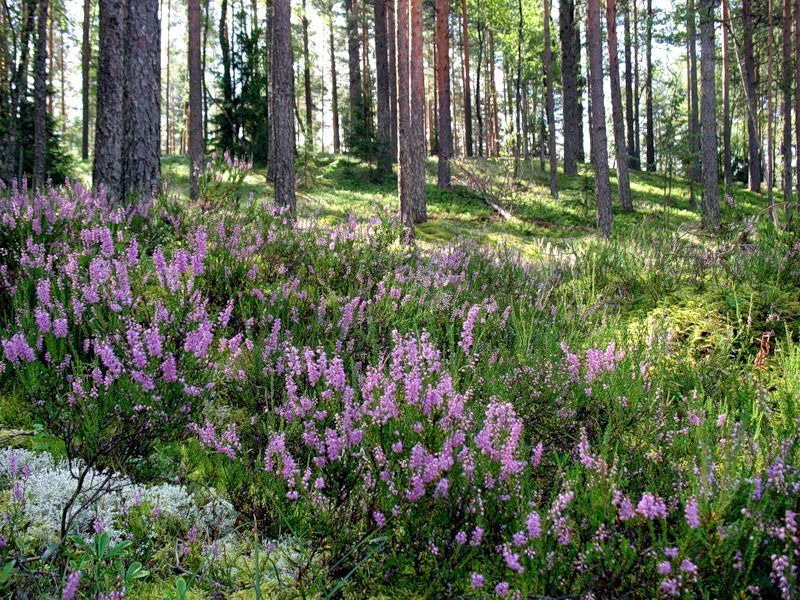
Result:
[168,99]
[283,104]
[390,35]
[109,128]
[726,97]
[633,163]
[602,188]
[797,91]
[141,171]
[417,83]
[694,108]
[206,22]
[337,144]
[623,178]
[384,132]
[195,98]
[495,112]
[51,62]
[753,135]
[770,115]
[404,184]
[516,116]
[467,87]
[354,129]
[443,78]
[86,55]
[551,117]
[226,133]
[478,107]
[710,203]
[40,99]
[309,134]
[637,135]
[62,65]
[570,76]
[649,131]
[786,86]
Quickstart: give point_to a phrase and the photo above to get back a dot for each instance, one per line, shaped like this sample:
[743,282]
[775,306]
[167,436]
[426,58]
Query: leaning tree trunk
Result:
[443,79]
[107,167]
[753,135]
[708,147]
[40,99]
[570,75]
[623,178]
[602,189]
[283,104]
[417,97]
[141,160]
[195,99]
[384,132]
[551,118]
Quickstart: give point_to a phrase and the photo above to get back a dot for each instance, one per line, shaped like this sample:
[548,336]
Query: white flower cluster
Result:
[48,486]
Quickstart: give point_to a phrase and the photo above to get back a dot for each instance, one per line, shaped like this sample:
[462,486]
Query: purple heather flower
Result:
[651,507]
[692,513]
[477,581]
[71,585]
[501,589]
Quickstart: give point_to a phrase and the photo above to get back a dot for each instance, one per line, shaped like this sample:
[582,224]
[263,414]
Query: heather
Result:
[212,401]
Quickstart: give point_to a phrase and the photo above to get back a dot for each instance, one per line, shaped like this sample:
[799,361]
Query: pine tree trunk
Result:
[786,86]
[726,98]
[384,132]
[633,163]
[710,178]
[443,79]
[467,87]
[354,129]
[86,54]
[283,104]
[602,187]
[405,177]
[40,99]
[168,95]
[196,141]
[309,133]
[337,144]
[753,135]
[206,22]
[797,91]
[623,178]
[551,117]
[570,75]
[226,133]
[141,159]
[417,83]
[649,126]
[694,108]
[51,64]
[478,108]
[770,115]
[391,29]
[62,65]
[109,128]
[637,134]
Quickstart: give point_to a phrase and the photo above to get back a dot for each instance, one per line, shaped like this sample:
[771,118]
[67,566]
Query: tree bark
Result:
[354,129]
[40,99]
[649,127]
[633,163]
[283,105]
[417,83]
[753,135]
[710,178]
[770,115]
[109,128]
[226,134]
[309,133]
[404,183]
[786,86]
[141,171]
[86,54]
[390,33]
[797,91]
[443,79]
[623,178]
[384,132]
[467,87]
[694,108]
[551,118]
[602,185]
[478,108]
[337,144]
[570,76]
[196,141]
[726,98]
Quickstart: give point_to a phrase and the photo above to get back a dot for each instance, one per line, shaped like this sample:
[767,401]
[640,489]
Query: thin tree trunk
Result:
[109,128]
[797,91]
[770,115]
[206,22]
[787,101]
[226,133]
[467,87]
[478,107]
[602,184]
[649,131]
[633,163]
[694,108]
[195,98]
[390,32]
[518,94]
[710,178]
[283,105]
[167,109]
[309,134]
[62,65]
[417,83]
[443,77]
[495,112]
[726,98]
[141,171]
[354,129]
[570,76]
[623,178]
[551,117]
[404,183]
[337,144]
[637,134]
[753,135]
[51,64]
[86,53]
[40,98]
[384,132]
